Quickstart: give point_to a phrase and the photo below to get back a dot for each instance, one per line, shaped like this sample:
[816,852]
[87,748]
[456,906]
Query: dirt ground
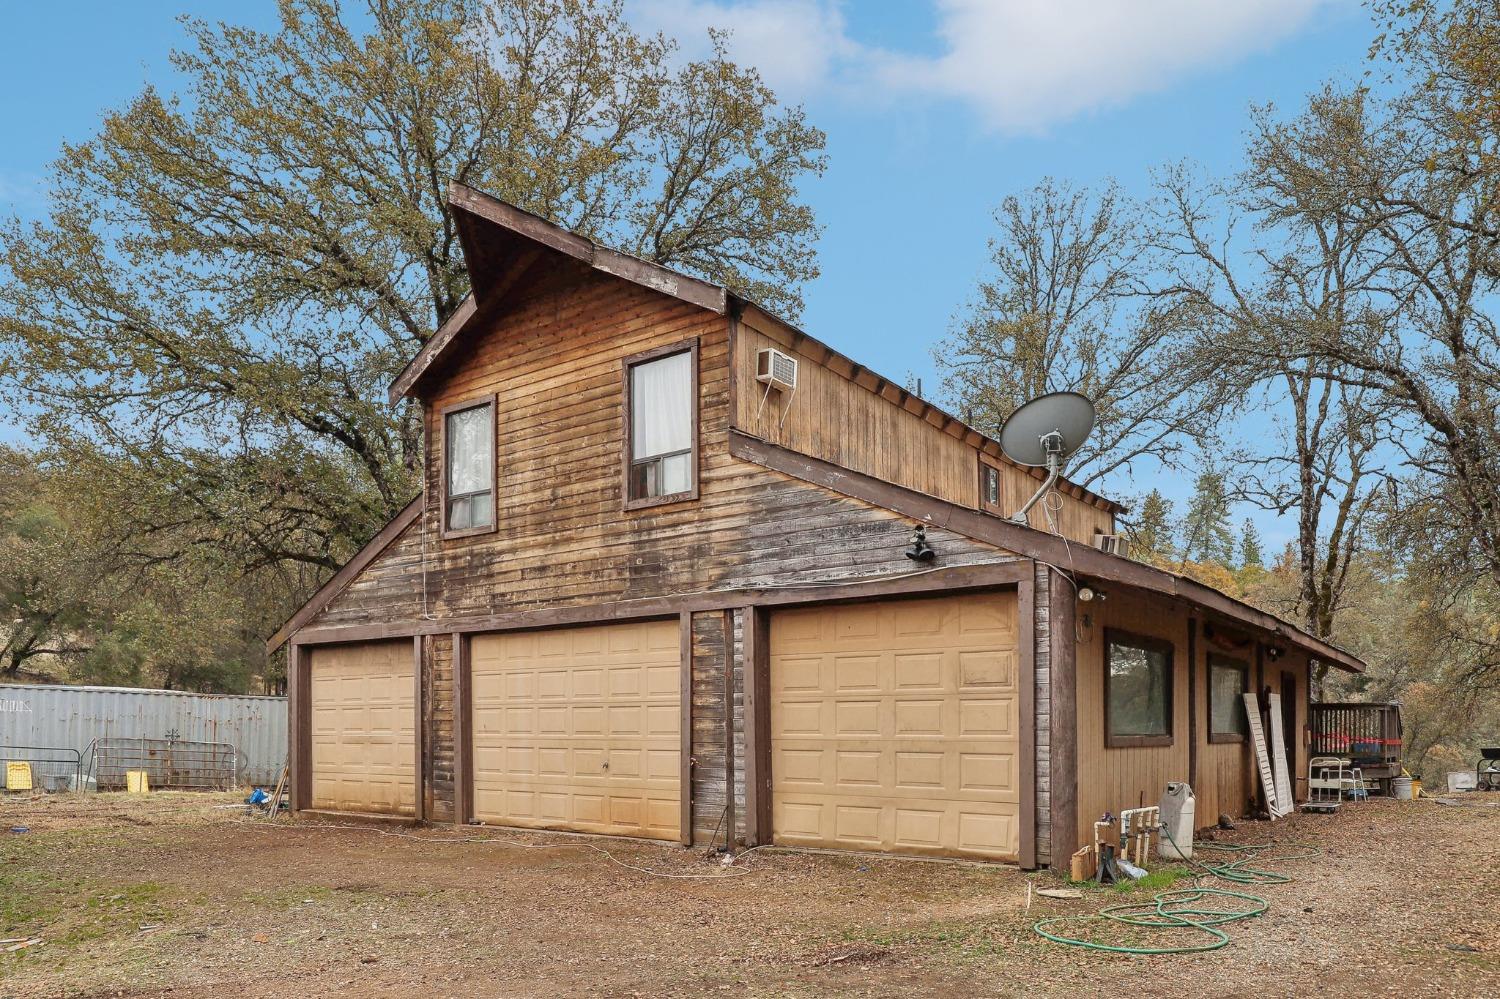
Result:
[184,896]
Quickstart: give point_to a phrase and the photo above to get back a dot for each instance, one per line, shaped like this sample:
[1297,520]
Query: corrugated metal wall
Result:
[73,717]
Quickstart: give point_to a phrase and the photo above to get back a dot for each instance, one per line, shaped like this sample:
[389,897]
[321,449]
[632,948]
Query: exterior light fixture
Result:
[920,550]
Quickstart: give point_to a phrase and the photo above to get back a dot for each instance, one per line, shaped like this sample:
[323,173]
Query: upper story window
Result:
[990,482]
[1137,690]
[661,430]
[1228,681]
[469,468]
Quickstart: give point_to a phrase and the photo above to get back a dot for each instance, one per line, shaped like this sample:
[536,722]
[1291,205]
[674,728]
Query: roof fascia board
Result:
[346,574]
[1047,548]
[428,355]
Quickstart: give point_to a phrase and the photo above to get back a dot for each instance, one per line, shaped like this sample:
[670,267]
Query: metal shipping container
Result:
[70,718]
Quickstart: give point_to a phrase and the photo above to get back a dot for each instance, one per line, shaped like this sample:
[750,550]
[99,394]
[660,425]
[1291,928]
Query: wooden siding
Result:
[1061,514]
[1112,779]
[835,419]
[1042,622]
[710,756]
[437,725]
[563,540]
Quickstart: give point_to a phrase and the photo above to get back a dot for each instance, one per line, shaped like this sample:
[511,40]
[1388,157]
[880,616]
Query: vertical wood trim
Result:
[419,736]
[299,745]
[729,802]
[1026,677]
[733,322]
[1064,735]
[754,622]
[463,736]
[1260,706]
[1192,658]
[685,723]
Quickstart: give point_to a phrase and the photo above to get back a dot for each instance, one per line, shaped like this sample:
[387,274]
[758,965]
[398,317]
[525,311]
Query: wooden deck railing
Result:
[1365,733]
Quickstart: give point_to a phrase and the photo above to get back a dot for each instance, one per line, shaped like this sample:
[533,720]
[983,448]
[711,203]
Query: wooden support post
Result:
[1026,678]
[1192,658]
[299,718]
[729,811]
[420,735]
[756,648]
[463,734]
[685,777]
[1063,600]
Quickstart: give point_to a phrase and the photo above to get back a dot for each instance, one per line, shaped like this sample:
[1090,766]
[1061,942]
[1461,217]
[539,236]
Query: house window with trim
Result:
[1228,681]
[1137,690]
[991,485]
[469,468]
[661,462]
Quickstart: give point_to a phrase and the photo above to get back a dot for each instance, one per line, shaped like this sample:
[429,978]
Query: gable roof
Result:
[503,243]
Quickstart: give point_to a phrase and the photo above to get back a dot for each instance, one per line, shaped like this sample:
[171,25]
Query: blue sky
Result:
[934,112]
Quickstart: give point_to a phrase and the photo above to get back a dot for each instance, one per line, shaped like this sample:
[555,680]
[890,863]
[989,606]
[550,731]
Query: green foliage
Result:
[1206,534]
[1250,545]
[1150,530]
[231,275]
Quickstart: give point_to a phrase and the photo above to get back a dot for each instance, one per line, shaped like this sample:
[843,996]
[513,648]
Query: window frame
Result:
[627,459]
[986,471]
[1150,644]
[491,402]
[1214,661]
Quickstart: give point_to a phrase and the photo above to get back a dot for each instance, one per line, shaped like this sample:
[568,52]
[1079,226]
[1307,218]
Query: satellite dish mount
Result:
[1044,433]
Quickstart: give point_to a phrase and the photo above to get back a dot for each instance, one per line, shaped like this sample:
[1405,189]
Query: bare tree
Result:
[1320,444]
[1070,307]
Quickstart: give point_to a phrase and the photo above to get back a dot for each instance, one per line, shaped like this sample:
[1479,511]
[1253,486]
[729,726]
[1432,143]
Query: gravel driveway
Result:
[178,895]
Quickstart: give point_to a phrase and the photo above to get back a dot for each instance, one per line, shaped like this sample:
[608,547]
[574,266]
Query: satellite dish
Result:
[1044,433]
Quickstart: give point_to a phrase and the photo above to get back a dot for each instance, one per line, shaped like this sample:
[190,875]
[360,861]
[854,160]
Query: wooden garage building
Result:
[644,592]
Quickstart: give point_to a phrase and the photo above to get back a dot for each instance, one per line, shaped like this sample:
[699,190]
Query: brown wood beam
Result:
[299,718]
[754,624]
[727,617]
[463,732]
[953,579]
[1192,658]
[1063,739]
[685,722]
[420,736]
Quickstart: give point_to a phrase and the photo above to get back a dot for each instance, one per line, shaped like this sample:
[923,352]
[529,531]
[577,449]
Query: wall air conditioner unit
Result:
[1115,544]
[776,370]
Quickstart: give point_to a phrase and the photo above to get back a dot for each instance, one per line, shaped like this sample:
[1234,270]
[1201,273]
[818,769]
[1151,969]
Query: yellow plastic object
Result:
[136,782]
[1416,787]
[18,776]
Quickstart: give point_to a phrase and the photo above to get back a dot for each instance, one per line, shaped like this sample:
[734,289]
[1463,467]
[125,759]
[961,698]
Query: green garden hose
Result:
[1186,908]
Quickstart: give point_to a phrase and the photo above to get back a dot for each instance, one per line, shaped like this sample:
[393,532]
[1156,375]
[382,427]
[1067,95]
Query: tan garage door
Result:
[894,726]
[579,728]
[364,728]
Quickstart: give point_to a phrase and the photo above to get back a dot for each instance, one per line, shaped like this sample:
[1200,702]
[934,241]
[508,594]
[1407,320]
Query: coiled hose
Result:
[1194,909]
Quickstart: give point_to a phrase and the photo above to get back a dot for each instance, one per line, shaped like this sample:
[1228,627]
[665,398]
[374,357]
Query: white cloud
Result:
[1020,64]
[797,45]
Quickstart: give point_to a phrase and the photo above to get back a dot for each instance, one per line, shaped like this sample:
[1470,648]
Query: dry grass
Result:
[173,895]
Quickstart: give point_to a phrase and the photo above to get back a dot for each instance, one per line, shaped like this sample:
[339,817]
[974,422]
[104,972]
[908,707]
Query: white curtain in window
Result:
[661,406]
[470,453]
